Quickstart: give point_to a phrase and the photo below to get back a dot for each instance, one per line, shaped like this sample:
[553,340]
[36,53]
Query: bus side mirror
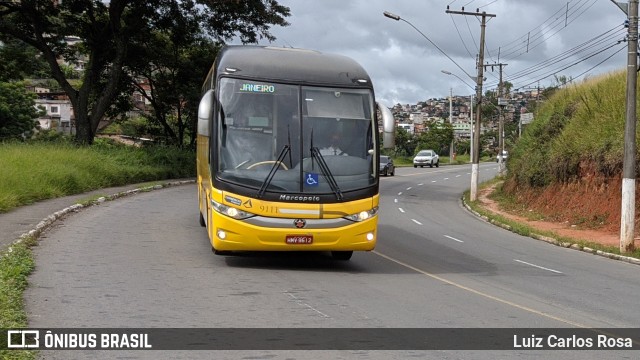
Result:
[388,127]
[205,112]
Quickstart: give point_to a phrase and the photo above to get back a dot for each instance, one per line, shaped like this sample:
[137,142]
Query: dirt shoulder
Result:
[605,236]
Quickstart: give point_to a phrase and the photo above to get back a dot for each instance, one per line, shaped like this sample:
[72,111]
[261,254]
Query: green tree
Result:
[172,66]
[507,86]
[405,143]
[463,147]
[110,30]
[17,111]
[437,137]
[19,61]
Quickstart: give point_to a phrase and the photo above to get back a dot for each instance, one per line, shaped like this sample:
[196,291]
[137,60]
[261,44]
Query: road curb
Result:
[48,221]
[554,241]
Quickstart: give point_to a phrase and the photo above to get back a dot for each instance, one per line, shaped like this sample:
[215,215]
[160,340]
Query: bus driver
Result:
[334,146]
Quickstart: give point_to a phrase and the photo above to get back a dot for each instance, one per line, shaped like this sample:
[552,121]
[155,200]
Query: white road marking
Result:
[301,302]
[401,210]
[458,175]
[420,184]
[480,293]
[537,266]
[433,181]
[416,221]
[446,178]
[400,193]
[395,200]
[409,188]
[452,238]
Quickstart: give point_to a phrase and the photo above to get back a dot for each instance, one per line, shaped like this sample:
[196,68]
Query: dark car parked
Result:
[386,166]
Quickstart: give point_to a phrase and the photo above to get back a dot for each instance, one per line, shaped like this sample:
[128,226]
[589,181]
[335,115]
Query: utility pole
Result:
[471,151]
[501,104]
[628,207]
[476,135]
[451,122]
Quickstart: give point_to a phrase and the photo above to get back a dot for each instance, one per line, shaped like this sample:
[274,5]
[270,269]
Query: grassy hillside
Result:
[578,132]
[37,171]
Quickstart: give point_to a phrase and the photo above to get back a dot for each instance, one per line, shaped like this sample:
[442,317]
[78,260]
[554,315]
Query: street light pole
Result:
[470,115]
[398,18]
[476,136]
[451,122]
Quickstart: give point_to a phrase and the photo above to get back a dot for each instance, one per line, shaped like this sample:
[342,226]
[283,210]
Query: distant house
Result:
[408,127]
[416,117]
[141,104]
[58,111]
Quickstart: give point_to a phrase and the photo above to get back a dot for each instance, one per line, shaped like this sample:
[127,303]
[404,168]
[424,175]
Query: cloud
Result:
[406,68]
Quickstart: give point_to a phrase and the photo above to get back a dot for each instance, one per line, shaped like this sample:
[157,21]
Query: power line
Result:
[460,36]
[576,63]
[544,73]
[581,48]
[540,36]
[470,32]
[525,36]
[531,39]
[485,5]
[596,41]
[600,63]
[398,18]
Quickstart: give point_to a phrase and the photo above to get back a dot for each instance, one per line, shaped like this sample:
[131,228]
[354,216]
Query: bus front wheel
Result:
[341,255]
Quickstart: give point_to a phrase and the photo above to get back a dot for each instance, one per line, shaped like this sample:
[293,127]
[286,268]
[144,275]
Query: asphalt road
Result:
[144,261]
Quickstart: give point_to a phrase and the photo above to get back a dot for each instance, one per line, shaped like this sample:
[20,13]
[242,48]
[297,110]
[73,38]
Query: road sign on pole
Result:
[526,118]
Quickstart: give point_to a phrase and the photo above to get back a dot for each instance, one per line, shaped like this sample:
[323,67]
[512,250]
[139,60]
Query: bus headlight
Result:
[230,211]
[363,215]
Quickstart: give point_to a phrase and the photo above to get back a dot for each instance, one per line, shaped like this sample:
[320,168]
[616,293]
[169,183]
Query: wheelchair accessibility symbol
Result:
[312,179]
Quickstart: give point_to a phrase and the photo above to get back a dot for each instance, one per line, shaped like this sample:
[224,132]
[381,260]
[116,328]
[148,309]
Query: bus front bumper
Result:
[237,235]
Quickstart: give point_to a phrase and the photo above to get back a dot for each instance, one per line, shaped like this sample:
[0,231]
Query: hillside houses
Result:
[58,111]
[415,118]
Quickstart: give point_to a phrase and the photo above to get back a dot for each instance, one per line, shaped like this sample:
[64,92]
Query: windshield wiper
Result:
[267,181]
[315,154]
[283,153]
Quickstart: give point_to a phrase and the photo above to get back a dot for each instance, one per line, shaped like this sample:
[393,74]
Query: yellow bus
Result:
[288,152]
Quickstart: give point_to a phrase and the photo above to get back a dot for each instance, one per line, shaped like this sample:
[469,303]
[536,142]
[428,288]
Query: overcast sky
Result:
[406,68]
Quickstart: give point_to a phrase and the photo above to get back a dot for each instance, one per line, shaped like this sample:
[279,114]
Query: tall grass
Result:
[35,171]
[581,124]
[15,268]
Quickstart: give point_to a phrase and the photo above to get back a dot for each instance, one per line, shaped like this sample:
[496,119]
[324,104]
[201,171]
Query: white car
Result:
[426,157]
[505,155]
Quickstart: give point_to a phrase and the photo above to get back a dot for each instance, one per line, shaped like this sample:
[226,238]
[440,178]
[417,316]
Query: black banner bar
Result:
[321,339]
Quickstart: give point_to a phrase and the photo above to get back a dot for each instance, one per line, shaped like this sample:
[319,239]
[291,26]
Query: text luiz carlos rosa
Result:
[572,342]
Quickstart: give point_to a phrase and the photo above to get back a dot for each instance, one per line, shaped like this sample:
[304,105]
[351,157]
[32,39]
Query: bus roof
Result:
[291,65]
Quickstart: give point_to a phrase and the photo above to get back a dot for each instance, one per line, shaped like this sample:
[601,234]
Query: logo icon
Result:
[299,223]
[21,339]
[247,204]
[232,200]
[312,179]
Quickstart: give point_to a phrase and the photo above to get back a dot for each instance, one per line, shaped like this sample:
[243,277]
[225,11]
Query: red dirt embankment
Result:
[587,209]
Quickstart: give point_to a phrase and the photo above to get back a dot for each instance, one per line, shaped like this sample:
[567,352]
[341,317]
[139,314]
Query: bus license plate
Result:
[299,239]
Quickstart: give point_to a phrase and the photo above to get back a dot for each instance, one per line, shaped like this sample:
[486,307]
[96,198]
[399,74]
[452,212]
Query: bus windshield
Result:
[272,128]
